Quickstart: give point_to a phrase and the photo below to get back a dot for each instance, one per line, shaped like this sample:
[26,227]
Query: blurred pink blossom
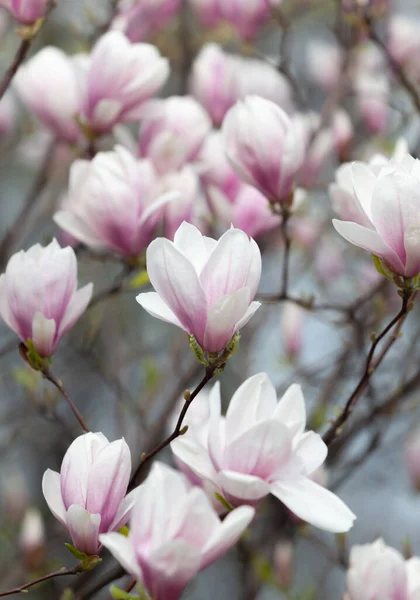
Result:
[176,537]
[292,329]
[173,132]
[112,203]
[378,571]
[50,85]
[26,11]
[323,62]
[39,299]
[139,19]
[251,129]
[120,78]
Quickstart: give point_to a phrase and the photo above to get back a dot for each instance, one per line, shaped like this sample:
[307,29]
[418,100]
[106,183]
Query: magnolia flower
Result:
[251,130]
[121,77]
[246,16]
[249,210]
[292,329]
[32,539]
[214,168]
[190,204]
[173,131]
[39,299]
[378,572]
[88,496]
[174,534]
[209,12]
[112,203]
[203,286]
[50,85]
[372,88]
[219,80]
[26,11]
[386,212]
[261,447]
[138,20]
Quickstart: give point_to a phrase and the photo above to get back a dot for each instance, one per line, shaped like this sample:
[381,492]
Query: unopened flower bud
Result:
[32,539]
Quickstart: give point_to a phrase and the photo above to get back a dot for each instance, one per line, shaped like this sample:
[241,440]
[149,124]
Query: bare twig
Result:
[48,375]
[24,588]
[369,369]
[21,54]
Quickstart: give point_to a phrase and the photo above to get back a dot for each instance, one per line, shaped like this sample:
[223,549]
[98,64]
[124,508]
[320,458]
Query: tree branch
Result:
[24,588]
[48,375]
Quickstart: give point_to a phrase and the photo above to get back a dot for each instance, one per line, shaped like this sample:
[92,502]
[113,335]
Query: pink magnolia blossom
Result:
[386,212]
[219,80]
[203,286]
[261,447]
[214,168]
[32,539]
[39,299]
[251,129]
[88,496]
[112,204]
[249,210]
[208,12]
[50,85]
[26,11]
[174,534]
[139,20]
[292,329]
[188,206]
[378,572]
[412,456]
[246,16]
[121,77]
[173,132]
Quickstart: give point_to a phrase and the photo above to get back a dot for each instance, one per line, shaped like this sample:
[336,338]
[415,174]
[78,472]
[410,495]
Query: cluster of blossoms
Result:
[233,156]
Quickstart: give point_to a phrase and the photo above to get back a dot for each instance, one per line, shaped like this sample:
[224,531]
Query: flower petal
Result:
[314,504]
[155,306]
[291,410]
[84,529]
[227,534]
[76,308]
[239,488]
[122,549]
[43,334]
[52,494]
[222,318]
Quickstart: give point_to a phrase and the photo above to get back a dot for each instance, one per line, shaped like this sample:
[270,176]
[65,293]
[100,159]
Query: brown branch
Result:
[48,375]
[24,588]
[369,369]
[22,52]
[189,397]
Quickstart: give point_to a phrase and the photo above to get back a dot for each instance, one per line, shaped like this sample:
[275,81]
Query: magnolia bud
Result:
[32,539]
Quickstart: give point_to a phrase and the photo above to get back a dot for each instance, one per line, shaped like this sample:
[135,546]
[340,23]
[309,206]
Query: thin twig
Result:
[48,375]
[368,371]
[189,397]
[24,588]
[21,54]
[286,256]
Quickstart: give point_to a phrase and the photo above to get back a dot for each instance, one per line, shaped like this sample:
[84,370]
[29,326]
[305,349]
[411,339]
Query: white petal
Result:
[255,400]
[314,504]
[84,529]
[76,308]
[195,456]
[251,310]
[43,334]
[121,548]
[291,410]
[239,488]
[227,534]
[52,494]
[222,318]
[155,306]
